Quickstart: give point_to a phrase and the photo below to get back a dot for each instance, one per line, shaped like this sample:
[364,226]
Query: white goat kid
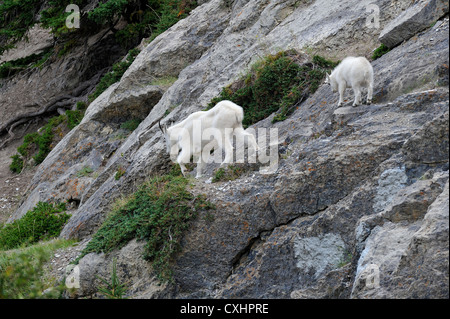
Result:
[192,136]
[353,73]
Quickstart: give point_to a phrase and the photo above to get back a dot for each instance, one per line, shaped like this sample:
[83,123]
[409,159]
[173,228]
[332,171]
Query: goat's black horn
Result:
[159,123]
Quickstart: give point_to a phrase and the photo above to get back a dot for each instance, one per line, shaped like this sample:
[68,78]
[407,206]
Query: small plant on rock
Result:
[380,51]
[113,289]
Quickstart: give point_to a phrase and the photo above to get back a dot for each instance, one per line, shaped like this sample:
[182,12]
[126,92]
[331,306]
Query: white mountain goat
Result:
[192,136]
[353,73]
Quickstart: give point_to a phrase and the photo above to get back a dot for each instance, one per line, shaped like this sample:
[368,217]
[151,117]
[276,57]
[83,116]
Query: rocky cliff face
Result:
[358,205]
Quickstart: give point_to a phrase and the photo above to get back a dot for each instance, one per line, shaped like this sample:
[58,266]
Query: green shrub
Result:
[81,106]
[45,221]
[44,141]
[159,212]
[29,140]
[40,143]
[219,175]
[106,11]
[16,17]
[7,69]
[157,17]
[17,164]
[170,13]
[380,51]
[145,18]
[74,117]
[34,144]
[54,16]
[154,20]
[277,83]
[22,271]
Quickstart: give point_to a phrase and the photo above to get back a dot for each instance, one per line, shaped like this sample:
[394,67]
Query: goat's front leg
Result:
[200,165]
[342,88]
[183,169]
[182,159]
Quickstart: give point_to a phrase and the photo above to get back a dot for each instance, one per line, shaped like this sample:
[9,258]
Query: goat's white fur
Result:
[353,73]
[222,121]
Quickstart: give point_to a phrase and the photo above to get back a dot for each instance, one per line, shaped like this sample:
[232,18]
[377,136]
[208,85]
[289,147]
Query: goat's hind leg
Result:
[357,91]
[369,93]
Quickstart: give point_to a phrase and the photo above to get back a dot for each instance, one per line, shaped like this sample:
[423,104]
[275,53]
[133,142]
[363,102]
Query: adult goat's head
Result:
[330,80]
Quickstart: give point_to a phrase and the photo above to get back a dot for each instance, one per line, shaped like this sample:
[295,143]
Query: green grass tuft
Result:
[380,51]
[16,164]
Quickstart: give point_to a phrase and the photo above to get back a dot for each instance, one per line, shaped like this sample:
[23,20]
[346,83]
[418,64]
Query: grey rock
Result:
[391,238]
[416,18]
[423,269]
[430,144]
[389,183]
[319,253]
